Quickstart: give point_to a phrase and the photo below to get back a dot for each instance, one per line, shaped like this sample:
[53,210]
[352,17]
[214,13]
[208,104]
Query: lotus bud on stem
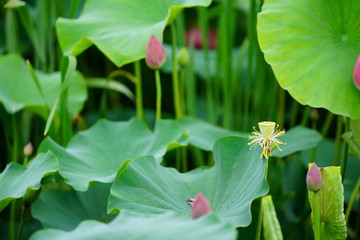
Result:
[155,58]
[314,182]
[199,206]
[155,54]
[28,151]
[313,179]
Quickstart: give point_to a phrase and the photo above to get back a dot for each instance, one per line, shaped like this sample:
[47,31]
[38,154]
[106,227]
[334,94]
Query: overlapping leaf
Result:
[230,186]
[98,153]
[331,202]
[53,211]
[18,90]
[16,179]
[313,52]
[204,135]
[138,227]
[119,28]
[297,139]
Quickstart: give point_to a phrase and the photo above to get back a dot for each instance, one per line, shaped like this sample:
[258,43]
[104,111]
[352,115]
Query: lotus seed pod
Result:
[357,73]
[155,53]
[267,128]
[28,149]
[200,206]
[314,179]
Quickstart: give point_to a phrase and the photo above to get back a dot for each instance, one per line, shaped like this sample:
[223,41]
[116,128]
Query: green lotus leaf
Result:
[331,201]
[230,186]
[18,90]
[53,211]
[98,153]
[297,139]
[16,179]
[312,47]
[128,225]
[204,135]
[120,29]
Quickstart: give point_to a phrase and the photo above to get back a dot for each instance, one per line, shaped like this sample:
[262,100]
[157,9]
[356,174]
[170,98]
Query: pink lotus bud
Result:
[194,38]
[314,179]
[155,53]
[357,73]
[200,206]
[28,149]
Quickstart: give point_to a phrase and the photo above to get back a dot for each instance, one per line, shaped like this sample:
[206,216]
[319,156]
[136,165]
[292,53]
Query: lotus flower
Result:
[194,38]
[199,206]
[314,179]
[155,53]
[357,73]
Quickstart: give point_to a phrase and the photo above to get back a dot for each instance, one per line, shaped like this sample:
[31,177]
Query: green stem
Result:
[305,117]
[158,94]
[11,31]
[327,123]
[26,159]
[138,86]
[281,108]
[352,200]
[21,225]
[293,114]
[11,235]
[337,141]
[16,140]
[259,225]
[345,150]
[203,19]
[176,86]
[316,216]
[184,159]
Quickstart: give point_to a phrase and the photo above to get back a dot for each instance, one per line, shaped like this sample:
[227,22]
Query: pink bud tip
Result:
[314,179]
[155,53]
[200,206]
[28,149]
[357,73]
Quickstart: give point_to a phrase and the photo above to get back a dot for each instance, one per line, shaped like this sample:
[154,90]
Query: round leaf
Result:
[67,209]
[230,186]
[98,153]
[120,29]
[18,90]
[138,227]
[312,47]
[16,179]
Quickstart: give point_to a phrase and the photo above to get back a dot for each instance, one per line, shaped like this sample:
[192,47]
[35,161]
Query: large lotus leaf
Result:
[18,90]
[204,135]
[138,227]
[98,153]
[53,210]
[120,29]
[312,47]
[297,139]
[230,186]
[330,198]
[16,179]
